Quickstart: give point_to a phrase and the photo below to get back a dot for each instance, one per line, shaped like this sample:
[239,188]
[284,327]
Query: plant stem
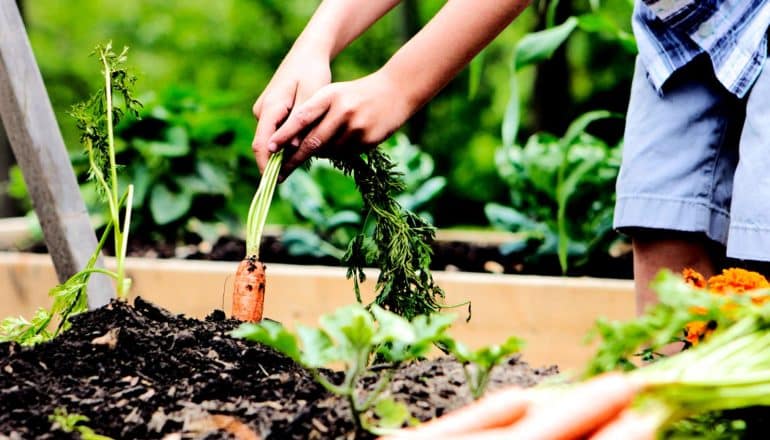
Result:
[260,204]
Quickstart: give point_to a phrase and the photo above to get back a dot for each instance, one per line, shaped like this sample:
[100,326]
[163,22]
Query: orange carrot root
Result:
[249,290]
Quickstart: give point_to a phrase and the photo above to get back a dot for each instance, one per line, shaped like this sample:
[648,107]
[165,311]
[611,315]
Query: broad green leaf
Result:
[391,327]
[301,241]
[215,177]
[508,219]
[271,334]
[318,349]
[391,414]
[141,179]
[161,149]
[427,192]
[344,218]
[539,46]
[351,327]
[305,196]
[167,206]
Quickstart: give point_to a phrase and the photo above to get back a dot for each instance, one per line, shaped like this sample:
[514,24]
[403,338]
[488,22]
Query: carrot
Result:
[249,285]
[249,290]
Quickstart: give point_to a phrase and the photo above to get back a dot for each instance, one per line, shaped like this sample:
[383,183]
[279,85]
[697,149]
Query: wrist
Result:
[405,86]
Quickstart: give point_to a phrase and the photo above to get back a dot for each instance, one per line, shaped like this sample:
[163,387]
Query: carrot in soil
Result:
[249,290]
[249,285]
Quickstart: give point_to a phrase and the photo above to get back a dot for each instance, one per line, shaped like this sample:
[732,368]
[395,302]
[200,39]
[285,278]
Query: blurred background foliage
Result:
[202,63]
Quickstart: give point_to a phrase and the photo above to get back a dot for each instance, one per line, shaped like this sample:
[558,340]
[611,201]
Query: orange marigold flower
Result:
[696,331]
[735,280]
[693,278]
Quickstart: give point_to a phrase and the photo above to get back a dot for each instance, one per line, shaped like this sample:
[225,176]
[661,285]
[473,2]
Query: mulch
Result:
[139,372]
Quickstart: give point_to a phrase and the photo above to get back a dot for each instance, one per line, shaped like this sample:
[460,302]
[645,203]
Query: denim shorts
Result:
[697,159]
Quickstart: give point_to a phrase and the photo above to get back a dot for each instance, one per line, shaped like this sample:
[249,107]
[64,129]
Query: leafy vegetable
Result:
[353,336]
[478,364]
[70,423]
[562,194]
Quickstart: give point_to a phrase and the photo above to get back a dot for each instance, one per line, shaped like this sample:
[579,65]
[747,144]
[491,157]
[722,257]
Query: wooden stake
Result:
[37,143]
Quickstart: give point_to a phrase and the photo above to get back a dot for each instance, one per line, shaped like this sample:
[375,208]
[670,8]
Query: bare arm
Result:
[366,111]
[305,69]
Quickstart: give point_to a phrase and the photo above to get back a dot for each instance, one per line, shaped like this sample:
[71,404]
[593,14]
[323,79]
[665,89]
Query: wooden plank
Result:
[34,135]
[552,314]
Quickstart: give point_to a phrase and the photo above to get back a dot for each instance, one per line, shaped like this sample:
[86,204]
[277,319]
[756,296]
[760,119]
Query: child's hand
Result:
[299,76]
[342,118]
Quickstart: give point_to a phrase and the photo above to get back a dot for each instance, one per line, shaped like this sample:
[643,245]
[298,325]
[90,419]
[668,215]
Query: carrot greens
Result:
[96,118]
[260,205]
[393,239]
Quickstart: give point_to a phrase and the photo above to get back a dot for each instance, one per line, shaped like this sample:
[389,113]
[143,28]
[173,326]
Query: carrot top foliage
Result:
[399,242]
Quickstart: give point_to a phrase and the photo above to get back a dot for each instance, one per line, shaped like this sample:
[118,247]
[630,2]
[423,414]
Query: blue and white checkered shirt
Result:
[670,33]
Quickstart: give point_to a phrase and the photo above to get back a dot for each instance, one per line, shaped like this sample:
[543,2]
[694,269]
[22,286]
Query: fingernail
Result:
[273,147]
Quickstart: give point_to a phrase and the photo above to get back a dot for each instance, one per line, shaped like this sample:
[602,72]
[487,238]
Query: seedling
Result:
[95,118]
[478,364]
[72,422]
[353,336]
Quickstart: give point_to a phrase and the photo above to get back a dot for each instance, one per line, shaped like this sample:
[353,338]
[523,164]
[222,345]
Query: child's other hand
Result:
[299,76]
[342,118]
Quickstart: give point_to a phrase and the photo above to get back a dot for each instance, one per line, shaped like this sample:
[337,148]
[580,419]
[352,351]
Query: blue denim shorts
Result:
[697,159]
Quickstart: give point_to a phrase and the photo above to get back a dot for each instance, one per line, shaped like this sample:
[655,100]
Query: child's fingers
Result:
[578,412]
[305,115]
[270,117]
[630,425]
[316,139]
[499,409]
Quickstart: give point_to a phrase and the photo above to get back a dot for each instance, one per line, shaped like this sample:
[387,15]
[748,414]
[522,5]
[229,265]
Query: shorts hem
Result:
[675,214]
[749,242]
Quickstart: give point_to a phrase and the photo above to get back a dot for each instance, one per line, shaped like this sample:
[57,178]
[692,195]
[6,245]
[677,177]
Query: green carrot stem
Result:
[260,204]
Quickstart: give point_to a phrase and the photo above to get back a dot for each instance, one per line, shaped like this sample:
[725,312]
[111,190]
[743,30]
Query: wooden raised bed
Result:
[552,314]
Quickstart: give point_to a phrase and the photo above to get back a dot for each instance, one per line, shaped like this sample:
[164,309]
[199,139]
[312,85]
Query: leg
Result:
[675,183]
[657,250]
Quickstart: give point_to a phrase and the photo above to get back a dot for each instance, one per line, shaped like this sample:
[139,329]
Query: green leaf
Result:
[509,219]
[351,327]
[161,149]
[305,197]
[318,349]
[141,179]
[167,206]
[271,334]
[391,327]
[539,46]
[215,177]
[579,125]
[391,414]
[474,78]
[510,126]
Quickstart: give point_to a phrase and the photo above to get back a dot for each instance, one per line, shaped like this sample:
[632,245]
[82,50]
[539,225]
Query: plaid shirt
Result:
[670,33]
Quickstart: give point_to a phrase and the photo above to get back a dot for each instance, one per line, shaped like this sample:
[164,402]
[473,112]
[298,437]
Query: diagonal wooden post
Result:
[37,143]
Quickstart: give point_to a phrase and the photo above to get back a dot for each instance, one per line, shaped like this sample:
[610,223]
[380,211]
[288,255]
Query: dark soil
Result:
[139,372]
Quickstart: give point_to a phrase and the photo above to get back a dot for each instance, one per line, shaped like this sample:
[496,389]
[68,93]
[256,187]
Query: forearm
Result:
[447,44]
[338,22]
